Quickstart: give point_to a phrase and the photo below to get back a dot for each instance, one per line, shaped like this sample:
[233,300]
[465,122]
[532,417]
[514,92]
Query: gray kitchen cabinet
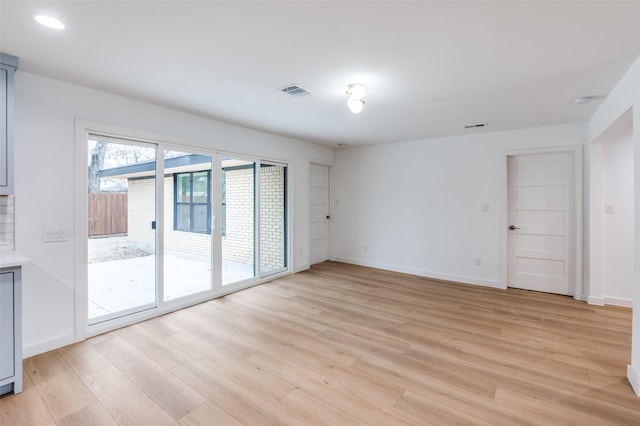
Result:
[8,67]
[10,330]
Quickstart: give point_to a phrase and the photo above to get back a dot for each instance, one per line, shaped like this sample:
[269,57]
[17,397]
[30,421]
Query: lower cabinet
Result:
[10,330]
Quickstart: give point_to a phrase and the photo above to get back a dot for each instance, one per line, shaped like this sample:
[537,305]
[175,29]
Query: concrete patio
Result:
[121,278]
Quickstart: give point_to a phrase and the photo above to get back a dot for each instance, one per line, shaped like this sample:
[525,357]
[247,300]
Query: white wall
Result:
[611,235]
[617,232]
[417,207]
[623,98]
[45,148]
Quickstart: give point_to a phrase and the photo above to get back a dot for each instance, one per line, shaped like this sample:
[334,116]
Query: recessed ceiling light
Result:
[581,100]
[50,22]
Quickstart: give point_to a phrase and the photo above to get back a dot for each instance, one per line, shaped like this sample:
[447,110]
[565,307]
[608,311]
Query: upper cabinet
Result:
[8,67]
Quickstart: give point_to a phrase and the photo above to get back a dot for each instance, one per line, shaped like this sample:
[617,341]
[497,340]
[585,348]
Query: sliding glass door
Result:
[238,206]
[121,203]
[273,218]
[208,225]
[187,224]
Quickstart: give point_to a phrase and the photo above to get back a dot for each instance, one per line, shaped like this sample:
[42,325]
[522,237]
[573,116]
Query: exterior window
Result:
[192,203]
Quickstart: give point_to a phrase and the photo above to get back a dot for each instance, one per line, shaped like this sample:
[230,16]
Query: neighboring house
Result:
[188,213]
[113,185]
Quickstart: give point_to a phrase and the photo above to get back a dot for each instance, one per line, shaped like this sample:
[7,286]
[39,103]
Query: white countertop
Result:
[11,258]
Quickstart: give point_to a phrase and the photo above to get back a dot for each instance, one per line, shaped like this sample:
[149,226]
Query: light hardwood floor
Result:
[345,345]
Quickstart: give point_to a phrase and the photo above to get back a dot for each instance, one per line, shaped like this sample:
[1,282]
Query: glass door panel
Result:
[238,220]
[273,190]
[187,224]
[121,223]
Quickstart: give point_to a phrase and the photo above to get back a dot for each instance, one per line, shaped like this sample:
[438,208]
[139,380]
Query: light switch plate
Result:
[54,234]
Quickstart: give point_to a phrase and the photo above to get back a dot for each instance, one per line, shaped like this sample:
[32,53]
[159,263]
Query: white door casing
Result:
[319,226]
[541,204]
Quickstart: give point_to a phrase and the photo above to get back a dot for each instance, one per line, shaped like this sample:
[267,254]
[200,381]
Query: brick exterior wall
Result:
[272,214]
[237,244]
[142,213]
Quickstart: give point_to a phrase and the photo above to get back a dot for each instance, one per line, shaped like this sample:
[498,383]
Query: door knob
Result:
[513,227]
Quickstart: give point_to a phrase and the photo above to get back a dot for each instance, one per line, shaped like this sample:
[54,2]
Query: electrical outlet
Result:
[54,234]
[609,209]
[478,261]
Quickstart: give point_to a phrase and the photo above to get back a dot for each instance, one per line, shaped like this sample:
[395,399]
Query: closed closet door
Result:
[541,220]
[319,212]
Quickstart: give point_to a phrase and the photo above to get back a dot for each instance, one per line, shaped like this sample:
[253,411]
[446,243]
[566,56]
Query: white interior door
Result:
[541,220]
[319,214]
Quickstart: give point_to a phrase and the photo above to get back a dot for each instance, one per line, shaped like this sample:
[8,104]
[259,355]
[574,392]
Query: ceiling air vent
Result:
[474,126]
[295,90]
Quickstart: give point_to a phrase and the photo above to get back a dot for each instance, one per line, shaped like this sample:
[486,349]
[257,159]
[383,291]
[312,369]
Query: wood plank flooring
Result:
[345,345]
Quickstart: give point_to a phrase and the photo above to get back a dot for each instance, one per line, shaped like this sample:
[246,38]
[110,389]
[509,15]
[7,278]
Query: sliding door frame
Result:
[83,128]
[157,282]
[286,242]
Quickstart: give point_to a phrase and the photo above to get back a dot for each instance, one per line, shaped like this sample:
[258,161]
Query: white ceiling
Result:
[429,67]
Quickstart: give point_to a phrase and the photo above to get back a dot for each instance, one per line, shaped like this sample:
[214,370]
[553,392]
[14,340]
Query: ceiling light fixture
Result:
[50,22]
[356,92]
[355,105]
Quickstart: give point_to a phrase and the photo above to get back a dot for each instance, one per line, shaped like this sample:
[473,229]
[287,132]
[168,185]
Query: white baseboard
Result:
[422,273]
[606,300]
[49,345]
[592,300]
[634,379]
[301,268]
[618,301]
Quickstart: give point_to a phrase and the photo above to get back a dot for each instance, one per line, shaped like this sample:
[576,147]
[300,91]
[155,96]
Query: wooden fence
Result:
[107,214]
